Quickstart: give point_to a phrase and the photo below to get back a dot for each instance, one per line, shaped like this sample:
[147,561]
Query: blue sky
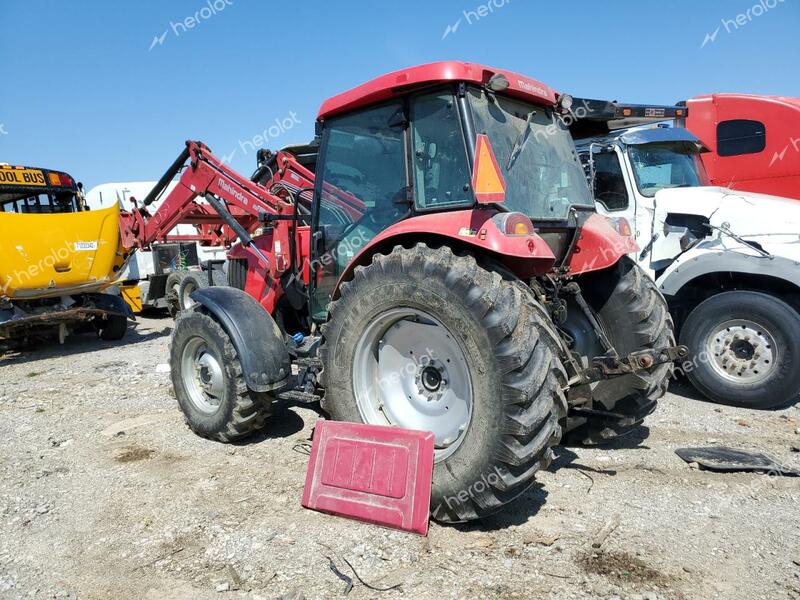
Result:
[88,88]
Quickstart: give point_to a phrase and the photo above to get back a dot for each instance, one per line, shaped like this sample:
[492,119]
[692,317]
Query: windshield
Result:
[536,154]
[660,166]
[53,202]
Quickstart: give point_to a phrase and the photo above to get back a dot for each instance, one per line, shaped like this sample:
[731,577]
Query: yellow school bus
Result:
[58,260]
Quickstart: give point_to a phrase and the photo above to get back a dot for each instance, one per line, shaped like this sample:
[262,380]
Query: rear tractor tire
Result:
[237,273]
[423,339]
[207,377]
[634,315]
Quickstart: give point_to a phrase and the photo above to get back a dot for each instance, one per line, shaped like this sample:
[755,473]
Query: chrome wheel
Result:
[410,371]
[742,351]
[203,375]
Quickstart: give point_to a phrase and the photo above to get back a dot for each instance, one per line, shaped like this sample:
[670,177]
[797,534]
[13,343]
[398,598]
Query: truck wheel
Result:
[208,382]
[745,349]
[113,328]
[634,316]
[192,281]
[172,288]
[423,339]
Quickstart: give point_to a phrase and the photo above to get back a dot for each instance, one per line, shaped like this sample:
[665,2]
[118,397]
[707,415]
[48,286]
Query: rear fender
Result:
[254,333]
[599,246]
[472,230]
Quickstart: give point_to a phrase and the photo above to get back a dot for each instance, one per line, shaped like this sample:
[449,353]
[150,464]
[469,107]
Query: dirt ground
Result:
[104,493]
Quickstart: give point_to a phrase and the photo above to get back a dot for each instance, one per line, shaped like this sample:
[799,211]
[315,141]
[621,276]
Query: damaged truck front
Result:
[727,261]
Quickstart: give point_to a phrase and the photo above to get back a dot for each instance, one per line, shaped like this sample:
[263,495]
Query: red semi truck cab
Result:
[754,141]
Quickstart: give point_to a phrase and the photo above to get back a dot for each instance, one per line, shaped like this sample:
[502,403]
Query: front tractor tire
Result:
[208,381]
[423,339]
[634,315]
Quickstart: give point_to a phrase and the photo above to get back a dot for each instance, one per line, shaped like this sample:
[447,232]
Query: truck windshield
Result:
[660,166]
[536,154]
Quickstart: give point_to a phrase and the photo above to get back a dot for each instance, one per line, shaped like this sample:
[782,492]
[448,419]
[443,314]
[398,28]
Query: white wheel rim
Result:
[202,375]
[742,351]
[411,372]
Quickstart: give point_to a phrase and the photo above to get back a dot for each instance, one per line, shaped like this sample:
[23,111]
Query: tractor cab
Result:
[443,138]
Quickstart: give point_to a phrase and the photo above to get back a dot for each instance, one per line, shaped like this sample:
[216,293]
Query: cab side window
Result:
[440,168]
[361,190]
[609,182]
[740,136]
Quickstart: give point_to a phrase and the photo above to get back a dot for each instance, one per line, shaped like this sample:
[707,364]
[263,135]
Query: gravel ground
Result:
[104,493]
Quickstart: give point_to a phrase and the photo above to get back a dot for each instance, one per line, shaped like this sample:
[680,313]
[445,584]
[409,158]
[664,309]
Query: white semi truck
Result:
[727,261]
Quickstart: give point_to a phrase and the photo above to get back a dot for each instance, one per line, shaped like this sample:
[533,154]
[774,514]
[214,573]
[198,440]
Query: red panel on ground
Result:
[375,474]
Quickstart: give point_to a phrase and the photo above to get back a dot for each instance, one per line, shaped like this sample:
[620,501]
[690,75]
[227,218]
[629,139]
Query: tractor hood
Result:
[747,214]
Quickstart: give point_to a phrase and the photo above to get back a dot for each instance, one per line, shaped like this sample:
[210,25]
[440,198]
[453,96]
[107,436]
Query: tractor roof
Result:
[405,80]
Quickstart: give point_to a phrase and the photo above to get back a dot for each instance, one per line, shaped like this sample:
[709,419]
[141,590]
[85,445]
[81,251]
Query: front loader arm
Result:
[245,201]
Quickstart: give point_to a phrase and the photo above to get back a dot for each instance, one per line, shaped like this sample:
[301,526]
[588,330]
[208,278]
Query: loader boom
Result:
[245,201]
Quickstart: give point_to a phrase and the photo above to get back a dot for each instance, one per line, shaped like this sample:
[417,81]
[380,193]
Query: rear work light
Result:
[513,224]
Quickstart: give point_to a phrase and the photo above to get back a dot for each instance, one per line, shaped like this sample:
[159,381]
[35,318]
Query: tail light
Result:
[621,225]
[60,179]
[514,224]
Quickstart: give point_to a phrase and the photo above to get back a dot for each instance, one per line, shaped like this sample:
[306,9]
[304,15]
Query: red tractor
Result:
[433,261]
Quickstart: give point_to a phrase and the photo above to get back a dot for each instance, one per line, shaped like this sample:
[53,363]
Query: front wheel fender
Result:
[254,333]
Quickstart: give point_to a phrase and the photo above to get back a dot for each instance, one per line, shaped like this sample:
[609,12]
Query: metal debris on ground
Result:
[723,459]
